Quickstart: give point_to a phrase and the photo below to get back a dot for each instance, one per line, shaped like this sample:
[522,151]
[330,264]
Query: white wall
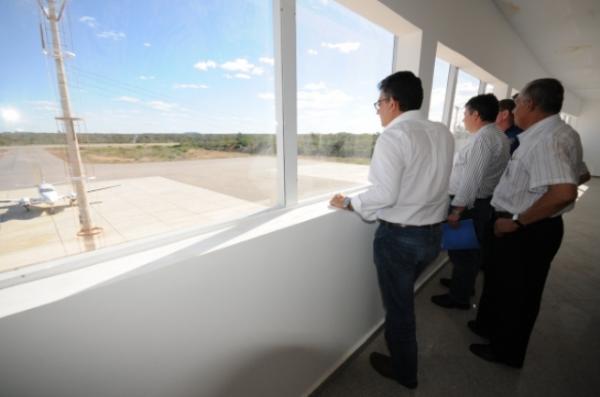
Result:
[266,317]
[478,31]
[588,125]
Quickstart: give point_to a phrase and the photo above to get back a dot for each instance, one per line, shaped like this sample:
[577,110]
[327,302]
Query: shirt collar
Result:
[488,126]
[538,128]
[408,115]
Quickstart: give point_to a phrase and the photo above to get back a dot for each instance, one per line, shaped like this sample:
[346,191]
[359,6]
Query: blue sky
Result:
[205,66]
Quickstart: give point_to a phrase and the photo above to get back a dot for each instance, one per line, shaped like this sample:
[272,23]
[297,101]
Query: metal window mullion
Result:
[450,91]
[284,33]
[481,89]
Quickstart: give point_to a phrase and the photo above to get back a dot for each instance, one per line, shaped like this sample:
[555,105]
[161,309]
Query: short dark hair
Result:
[547,94]
[486,105]
[506,104]
[405,88]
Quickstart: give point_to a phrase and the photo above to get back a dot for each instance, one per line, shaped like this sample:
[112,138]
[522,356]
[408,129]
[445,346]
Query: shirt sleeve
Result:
[477,163]
[385,174]
[583,169]
[556,161]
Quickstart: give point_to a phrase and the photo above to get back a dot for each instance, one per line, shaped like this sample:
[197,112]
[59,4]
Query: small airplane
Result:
[48,198]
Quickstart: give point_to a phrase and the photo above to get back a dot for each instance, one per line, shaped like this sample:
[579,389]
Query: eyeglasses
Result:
[377,104]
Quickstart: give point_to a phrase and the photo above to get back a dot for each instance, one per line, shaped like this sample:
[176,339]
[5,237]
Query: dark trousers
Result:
[466,263]
[513,286]
[400,255]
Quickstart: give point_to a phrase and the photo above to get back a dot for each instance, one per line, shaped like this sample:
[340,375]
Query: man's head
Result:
[539,99]
[479,111]
[398,93]
[505,118]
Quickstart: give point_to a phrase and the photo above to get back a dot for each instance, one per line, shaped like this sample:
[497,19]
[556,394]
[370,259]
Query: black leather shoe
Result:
[478,330]
[486,353]
[446,301]
[447,282]
[383,365]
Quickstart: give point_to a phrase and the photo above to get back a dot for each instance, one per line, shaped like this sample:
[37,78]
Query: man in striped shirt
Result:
[537,187]
[475,173]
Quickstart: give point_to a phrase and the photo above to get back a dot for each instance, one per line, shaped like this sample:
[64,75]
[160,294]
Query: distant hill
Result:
[341,144]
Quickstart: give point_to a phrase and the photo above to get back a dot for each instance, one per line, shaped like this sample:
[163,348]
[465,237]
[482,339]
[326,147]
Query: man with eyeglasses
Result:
[408,196]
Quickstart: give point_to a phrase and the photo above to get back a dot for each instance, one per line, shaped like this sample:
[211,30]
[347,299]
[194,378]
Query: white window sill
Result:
[45,283]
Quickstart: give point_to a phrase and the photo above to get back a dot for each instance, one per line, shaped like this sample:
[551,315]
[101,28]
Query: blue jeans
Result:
[400,256]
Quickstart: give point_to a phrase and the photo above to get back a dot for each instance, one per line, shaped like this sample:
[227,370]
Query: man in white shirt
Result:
[537,187]
[477,169]
[409,175]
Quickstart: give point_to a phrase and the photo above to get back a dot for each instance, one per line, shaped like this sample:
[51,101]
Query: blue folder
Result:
[462,238]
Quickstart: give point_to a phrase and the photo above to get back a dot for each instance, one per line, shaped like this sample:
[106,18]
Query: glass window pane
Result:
[438,89]
[341,58]
[176,112]
[467,87]
[489,88]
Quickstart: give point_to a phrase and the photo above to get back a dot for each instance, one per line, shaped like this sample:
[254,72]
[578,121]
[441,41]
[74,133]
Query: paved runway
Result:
[248,178]
[152,198]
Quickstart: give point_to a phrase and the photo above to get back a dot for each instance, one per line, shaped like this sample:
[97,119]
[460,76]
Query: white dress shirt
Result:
[409,173]
[549,153]
[479,165]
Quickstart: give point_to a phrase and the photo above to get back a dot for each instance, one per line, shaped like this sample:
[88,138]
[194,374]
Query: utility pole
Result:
[74,156]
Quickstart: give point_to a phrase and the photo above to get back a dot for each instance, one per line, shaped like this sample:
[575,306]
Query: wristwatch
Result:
[347,201]
[515,219]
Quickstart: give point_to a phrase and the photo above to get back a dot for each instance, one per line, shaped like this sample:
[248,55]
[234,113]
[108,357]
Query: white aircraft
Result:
[48,198]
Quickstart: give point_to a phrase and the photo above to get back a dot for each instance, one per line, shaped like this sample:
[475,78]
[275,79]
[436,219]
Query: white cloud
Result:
[257,71]
[205,65]
[266,60]
[147,45]
[244,68]
[238,65]
[315,86]
[162,106]
[344,48]
[142,77]
[310,51]
[189,86]
[322,100]
[89,21]
[465,90]
[111,34]
[128,99]
[268,96]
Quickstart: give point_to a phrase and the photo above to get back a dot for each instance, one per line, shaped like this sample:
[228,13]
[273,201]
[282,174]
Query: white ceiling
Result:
[564,35]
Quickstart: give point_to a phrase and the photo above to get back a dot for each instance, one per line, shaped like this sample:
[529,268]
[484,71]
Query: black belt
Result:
[504,214]
[477,199]
[402,225]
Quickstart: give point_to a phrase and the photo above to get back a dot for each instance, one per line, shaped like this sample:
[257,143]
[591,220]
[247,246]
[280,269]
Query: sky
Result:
[197,65]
